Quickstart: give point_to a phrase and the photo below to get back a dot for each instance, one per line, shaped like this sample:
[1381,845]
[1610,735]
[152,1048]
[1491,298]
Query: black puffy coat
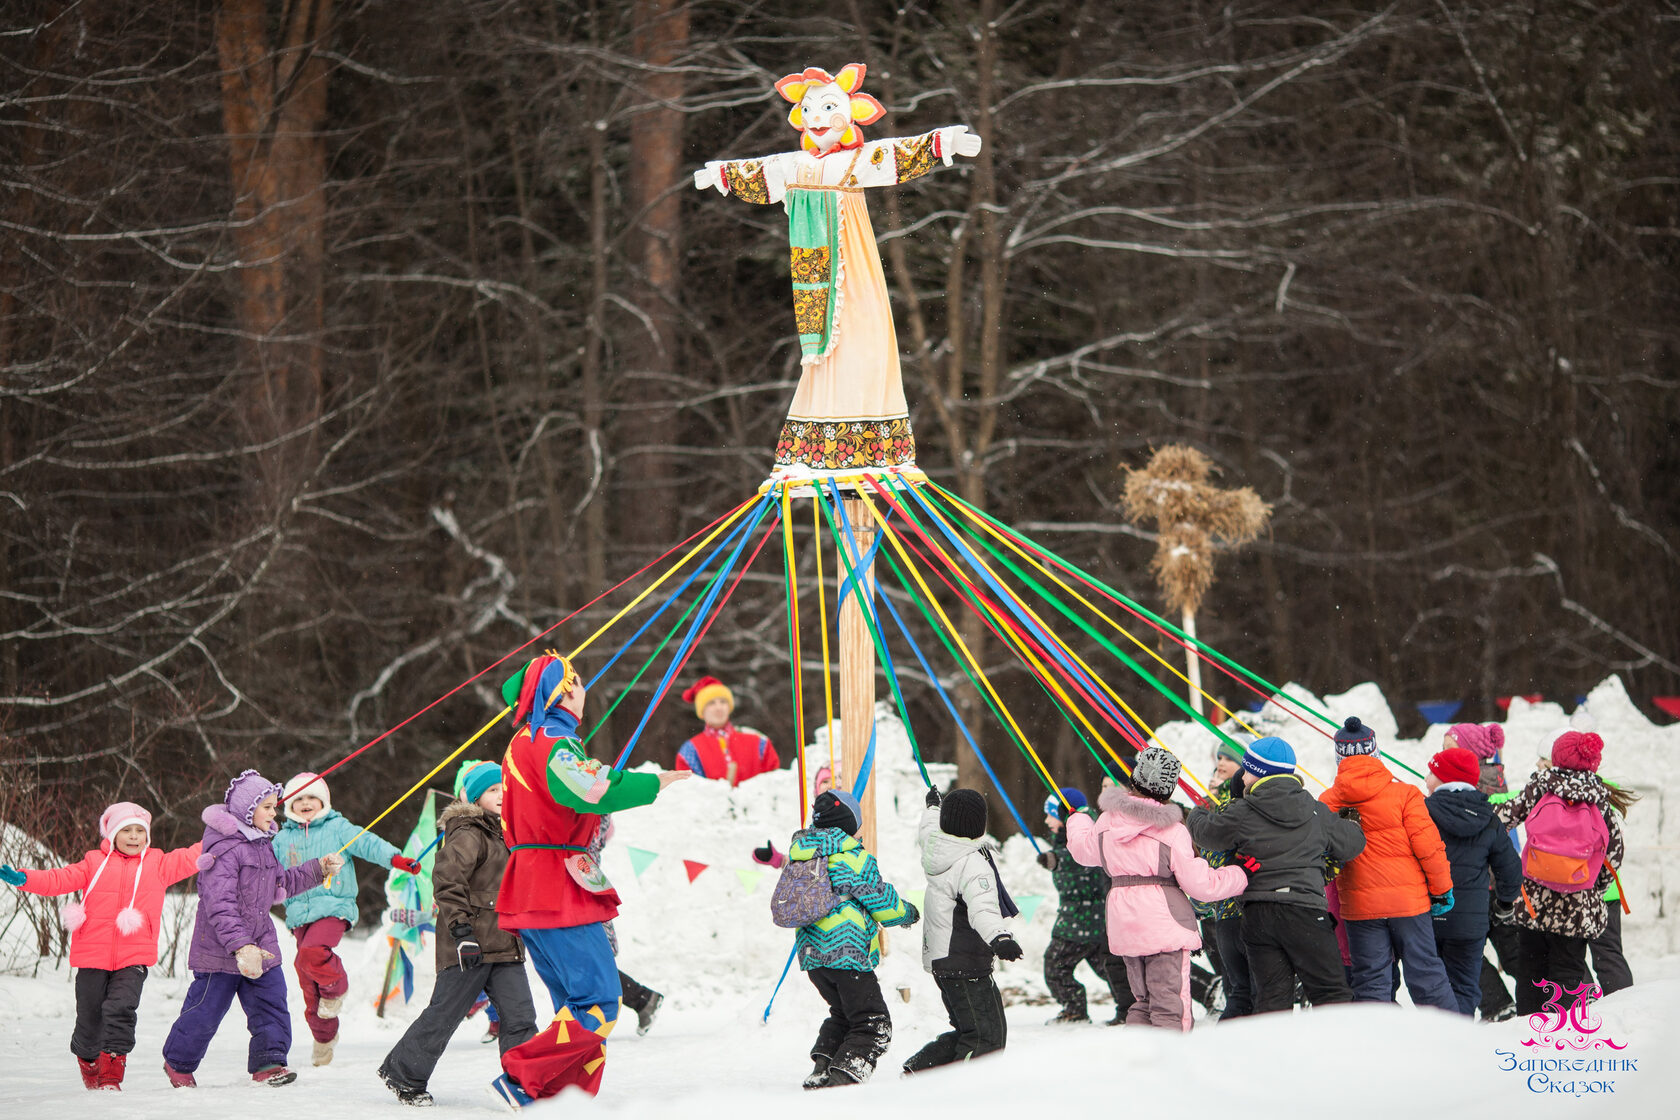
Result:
[1477,844]
[1289,831]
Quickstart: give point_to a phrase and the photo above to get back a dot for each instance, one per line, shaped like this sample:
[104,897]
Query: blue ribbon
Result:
[791,954]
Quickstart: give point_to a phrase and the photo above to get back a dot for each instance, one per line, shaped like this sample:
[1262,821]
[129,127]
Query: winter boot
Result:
[507,1091]
[418,1098]
[321,1053]
[274,1075]
[329,1007]
[853,1069]
[646,1012]
[110,1069]
[179,1080]
[1069,1016]
[492,1031]
[479,1004]
[90,1073]
[818,1077]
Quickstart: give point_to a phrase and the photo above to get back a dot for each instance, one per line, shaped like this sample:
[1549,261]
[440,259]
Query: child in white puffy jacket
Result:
[965,909]
[1154,871]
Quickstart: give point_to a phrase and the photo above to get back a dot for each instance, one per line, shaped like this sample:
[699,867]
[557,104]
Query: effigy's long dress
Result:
[849,411]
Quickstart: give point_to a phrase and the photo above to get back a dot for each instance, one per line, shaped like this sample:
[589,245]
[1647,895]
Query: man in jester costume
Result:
[849,411]
[721,750]
[554,893]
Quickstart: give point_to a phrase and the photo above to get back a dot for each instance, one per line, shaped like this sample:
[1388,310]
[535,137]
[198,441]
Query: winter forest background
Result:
[346,343]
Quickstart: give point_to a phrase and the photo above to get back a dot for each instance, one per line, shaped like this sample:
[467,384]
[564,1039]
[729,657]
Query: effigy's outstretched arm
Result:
[899,159]
[762,181]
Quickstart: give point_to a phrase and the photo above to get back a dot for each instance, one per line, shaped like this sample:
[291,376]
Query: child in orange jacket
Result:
[113,932]
[1391,891]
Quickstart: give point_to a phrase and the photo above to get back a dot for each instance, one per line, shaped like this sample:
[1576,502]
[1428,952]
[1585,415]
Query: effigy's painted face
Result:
[826,111]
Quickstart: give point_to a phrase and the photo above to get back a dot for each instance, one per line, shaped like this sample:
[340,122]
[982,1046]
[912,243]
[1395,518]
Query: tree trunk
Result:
[273,105]
[656,176]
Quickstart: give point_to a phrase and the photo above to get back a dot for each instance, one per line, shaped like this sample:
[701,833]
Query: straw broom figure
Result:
[1193,518]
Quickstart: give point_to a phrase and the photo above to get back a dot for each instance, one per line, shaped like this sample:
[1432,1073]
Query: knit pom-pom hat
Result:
[1355,738]
[1483,741]
[112,821]
[1269,756]
[1578,750]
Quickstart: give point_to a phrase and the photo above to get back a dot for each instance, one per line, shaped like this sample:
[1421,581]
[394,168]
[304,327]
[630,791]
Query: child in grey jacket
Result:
[966,908]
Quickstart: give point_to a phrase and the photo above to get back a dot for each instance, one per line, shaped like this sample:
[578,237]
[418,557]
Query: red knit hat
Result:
[1456,764]
[704,691]
[1578,750]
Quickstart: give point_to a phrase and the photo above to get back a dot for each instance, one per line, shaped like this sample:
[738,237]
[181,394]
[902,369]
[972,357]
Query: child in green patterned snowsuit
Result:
[841,951]
[1081,929]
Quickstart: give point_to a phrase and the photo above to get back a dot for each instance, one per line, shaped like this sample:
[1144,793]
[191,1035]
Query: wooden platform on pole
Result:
[857,668]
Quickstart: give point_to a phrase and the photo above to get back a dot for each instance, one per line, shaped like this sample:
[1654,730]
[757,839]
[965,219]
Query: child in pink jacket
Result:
[113,932]
[1142,843]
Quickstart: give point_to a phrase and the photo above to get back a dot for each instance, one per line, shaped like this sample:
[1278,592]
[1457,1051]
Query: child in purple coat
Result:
[235,951]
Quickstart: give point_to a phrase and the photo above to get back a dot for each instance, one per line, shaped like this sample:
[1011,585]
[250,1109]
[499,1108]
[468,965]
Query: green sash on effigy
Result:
[814,240]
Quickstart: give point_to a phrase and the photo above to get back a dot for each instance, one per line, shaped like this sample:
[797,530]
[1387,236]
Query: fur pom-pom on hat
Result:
[73,915]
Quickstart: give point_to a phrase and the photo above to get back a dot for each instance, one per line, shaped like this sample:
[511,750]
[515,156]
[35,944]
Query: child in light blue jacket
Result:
[320,918]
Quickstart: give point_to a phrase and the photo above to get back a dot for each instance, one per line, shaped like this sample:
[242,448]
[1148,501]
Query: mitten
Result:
[250,959]
[1248,864]
[1006,947]
[1440,903]
[403,863]
[1504,913]
[467,951]
[11,876]
[768,855]
[1349,813]
[915,915]
[404,916]
[1047,860]
[932,797]
[331,864]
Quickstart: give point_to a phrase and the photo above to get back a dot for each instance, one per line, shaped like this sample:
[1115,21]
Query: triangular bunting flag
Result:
[1669,704]
[749,878]
[913,896]
[640,858]
[1439,711]
[1029,905]
[693,868]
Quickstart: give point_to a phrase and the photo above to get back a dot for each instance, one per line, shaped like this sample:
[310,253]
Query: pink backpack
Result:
[1566,844]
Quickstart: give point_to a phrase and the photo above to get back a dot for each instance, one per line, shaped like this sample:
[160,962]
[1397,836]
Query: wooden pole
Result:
[857,669]
[1195,661]
[385,989]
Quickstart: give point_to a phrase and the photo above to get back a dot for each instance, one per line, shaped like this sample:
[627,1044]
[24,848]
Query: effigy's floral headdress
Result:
[864,108]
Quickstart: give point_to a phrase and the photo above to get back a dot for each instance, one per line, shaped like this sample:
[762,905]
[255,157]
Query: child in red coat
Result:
[113,932]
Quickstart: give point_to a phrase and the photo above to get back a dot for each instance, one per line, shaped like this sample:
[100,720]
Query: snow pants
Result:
[1161,983]
[858,1028]
[1608,963]
[1376,943]
[975,1007]
[1547,956]
[1463,961]
[576,963]
[320,973]
[1231,958]
[1284,941]
[411,1061]
[107,1006]
[207,1001]
[1496,997]
[1063,956]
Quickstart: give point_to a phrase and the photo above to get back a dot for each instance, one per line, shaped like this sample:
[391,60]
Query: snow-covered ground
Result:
[709,946]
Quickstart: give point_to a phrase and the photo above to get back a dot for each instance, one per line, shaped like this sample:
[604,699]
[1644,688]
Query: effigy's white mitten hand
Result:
[711,176]
[963,142]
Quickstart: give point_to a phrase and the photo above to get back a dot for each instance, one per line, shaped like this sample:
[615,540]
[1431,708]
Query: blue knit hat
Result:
[474,777]
[1269,756]
[1053,803]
